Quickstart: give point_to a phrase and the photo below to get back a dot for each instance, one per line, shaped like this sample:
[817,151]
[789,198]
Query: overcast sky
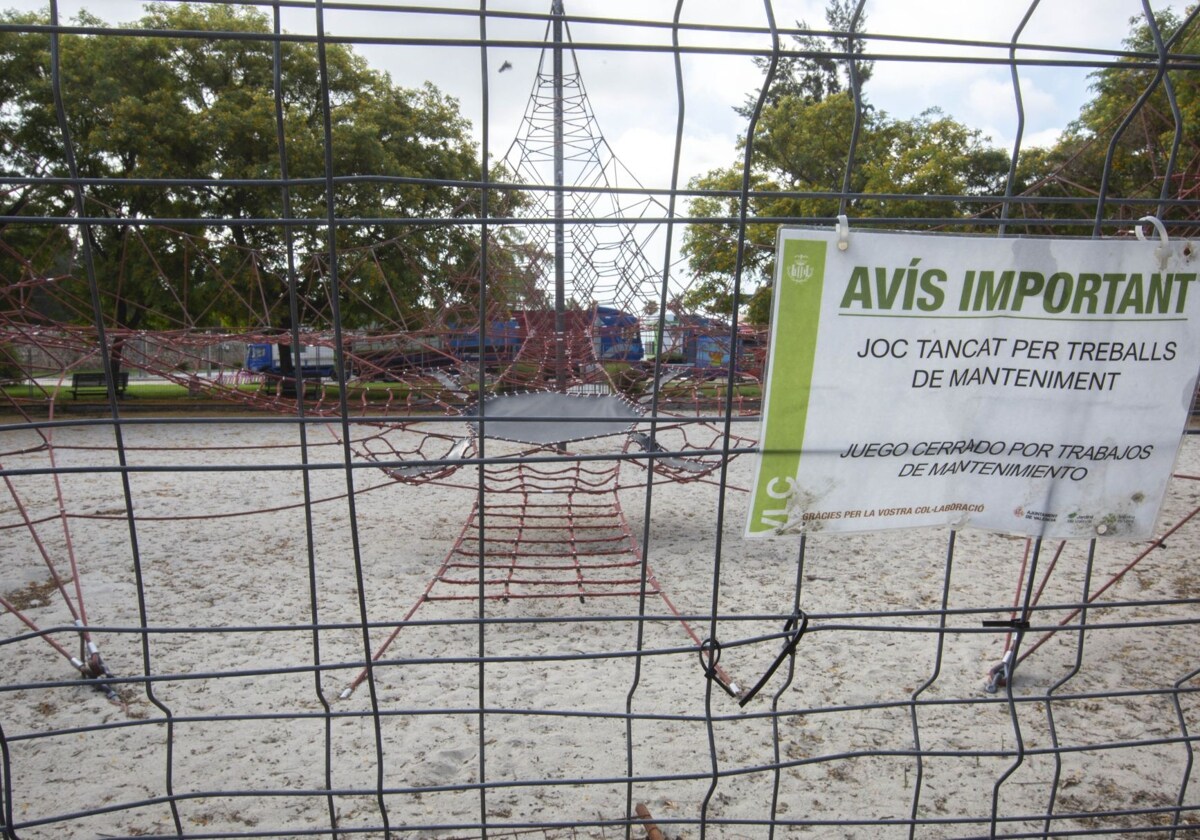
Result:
[632,91]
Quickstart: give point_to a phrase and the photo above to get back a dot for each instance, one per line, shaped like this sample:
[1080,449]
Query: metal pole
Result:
[560,356]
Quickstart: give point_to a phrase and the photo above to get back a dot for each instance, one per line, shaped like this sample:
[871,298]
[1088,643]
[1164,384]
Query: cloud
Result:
[1043,139]
[990,103]
[649,153]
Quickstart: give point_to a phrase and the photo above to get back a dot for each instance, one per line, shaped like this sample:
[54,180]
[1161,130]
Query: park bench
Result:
[96,381]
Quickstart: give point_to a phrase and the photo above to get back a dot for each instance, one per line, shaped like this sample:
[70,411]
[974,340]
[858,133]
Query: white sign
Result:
[1031,386]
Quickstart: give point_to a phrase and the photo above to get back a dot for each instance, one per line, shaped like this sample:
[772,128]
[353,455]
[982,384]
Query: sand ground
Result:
[243,729]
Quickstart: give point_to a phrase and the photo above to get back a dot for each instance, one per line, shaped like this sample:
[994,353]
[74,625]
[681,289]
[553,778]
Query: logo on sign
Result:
[798,270]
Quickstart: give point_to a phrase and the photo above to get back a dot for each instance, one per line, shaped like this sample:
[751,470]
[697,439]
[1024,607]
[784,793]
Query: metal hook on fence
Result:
[1163,250]
[843,231]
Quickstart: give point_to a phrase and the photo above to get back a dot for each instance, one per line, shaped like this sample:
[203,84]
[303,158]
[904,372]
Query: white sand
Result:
[254,760]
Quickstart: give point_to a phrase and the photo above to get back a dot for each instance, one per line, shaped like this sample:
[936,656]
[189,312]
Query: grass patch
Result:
[711,390]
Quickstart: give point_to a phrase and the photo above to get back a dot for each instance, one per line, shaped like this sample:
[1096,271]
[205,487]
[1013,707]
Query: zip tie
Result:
[1163,251]
[843,231]
[1013,623]
[793,630]
[710,655]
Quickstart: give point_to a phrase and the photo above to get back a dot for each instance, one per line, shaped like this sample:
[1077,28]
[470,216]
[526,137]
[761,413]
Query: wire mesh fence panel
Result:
[382,389]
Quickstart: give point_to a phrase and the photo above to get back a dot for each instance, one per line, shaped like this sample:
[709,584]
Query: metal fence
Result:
[486,580]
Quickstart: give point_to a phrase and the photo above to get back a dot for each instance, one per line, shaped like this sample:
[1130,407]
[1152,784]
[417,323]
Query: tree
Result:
[937,166]
[817,67]
[197,117]
[1073,167]
[933,167]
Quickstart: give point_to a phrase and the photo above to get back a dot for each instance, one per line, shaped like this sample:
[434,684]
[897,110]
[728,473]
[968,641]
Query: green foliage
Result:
[203,110]
[817,66]
[930,166]
[800,148]
[1141,151]
[11,369]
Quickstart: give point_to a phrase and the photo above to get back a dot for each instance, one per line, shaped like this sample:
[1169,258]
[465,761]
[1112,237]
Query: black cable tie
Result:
[710,655]
[1011,623]
[794,629]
